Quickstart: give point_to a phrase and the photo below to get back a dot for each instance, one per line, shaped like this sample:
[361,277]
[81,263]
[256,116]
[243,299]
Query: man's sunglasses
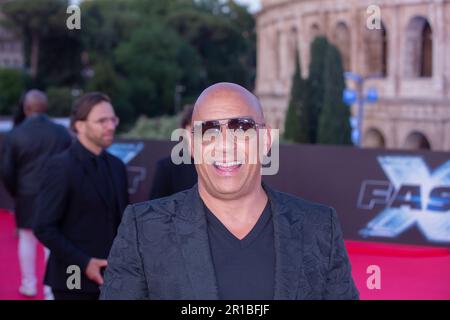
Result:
[243,124]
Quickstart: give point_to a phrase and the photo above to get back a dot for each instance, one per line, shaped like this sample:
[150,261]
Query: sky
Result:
[253,5]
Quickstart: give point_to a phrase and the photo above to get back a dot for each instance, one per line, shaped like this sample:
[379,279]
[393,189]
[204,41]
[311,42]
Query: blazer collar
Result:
[191,227]
[83,154]
[288,239]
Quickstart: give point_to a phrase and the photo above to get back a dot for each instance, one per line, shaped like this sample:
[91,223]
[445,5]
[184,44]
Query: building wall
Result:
[11,50]
[410,105]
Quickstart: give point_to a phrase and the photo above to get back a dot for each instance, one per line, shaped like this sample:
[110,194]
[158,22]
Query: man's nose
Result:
[111,126]
[228,146]
[225,135]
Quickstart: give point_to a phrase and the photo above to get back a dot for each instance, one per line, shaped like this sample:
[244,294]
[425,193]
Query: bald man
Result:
[230,236]
[25,152]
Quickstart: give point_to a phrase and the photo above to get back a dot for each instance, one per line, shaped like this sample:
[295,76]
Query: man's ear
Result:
[187,139]
[79,126]
[26,110]
[195,142]
[192,145]
[268,141]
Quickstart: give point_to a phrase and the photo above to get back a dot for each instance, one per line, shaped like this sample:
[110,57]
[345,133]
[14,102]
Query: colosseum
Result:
[406,57]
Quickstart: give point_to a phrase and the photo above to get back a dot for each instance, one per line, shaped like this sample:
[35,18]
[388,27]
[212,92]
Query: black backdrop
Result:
[332,175]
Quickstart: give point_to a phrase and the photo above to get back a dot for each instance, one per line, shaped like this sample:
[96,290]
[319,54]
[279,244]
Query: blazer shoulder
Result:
[15,135]
[314,212]
[62,158]
[62,163]
[160,208]
[115,160]
[61,130]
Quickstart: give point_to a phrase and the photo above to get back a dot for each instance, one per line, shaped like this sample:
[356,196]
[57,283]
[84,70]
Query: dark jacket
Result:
[171,178]
[74,219]
[24,154]
[162,251]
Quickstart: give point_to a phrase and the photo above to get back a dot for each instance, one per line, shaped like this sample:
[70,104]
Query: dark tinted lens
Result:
[210,125]
[242,124]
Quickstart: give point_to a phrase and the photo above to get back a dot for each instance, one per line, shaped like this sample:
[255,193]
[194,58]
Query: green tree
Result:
[149,62]
[158,46]
[159,128]
[223,34]
[140,50]
[59,101]
[334,126]
[42,25]
[193,73]
[60,59]
[106,24]
[316,85]
[106,80]
[12,85]
[296,124]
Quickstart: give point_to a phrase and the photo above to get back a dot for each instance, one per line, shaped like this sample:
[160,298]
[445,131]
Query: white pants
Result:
[27,258]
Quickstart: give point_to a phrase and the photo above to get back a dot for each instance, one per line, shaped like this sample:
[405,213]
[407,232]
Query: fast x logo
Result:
[413,196]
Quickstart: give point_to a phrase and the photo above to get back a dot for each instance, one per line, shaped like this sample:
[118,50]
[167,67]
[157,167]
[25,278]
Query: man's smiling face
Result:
[231,175]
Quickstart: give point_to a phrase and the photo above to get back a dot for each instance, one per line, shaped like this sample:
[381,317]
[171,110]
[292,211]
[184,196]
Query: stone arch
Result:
[376,51]
[374,138]
[418,54]
[314,31]
[417,141]
[342,40]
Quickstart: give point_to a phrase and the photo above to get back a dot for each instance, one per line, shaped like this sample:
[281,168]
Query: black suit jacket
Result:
[162,251]
[171,178]
[74,219]
[24,154]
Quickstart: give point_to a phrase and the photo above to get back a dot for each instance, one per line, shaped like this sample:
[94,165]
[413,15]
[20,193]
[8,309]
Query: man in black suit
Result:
[81,202]
[25,151]
[171,178]
[231,236]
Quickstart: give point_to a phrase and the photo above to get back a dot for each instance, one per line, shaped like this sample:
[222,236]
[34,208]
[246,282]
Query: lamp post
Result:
[360,97]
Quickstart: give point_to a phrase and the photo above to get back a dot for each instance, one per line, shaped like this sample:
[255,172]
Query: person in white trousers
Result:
[24,152]
[27,246]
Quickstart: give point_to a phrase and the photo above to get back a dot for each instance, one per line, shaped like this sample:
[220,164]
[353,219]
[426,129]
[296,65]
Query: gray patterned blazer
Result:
[162,251]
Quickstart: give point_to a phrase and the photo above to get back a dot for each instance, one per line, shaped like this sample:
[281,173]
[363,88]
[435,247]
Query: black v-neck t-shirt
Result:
[245,269]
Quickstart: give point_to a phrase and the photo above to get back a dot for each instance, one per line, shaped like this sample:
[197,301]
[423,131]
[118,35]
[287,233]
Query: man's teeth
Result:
[227,164]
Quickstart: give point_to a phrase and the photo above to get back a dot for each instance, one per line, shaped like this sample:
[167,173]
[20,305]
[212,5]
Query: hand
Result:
[93,269]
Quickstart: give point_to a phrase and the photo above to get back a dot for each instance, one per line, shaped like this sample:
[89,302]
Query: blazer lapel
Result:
[192,233]
[117,187]
[290,281]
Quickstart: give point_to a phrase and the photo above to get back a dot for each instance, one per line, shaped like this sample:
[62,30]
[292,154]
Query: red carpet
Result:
[407,272]
[9,263]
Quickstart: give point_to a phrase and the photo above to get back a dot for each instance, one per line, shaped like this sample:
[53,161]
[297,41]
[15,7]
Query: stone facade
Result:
[11,54]
[11,49]
[410,53]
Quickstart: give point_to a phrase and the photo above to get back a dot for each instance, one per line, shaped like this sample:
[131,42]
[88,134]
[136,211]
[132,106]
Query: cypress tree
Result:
[296,123]
[316,85]
[334,126]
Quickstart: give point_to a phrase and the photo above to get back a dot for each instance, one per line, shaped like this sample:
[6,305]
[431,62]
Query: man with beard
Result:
[81,202]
